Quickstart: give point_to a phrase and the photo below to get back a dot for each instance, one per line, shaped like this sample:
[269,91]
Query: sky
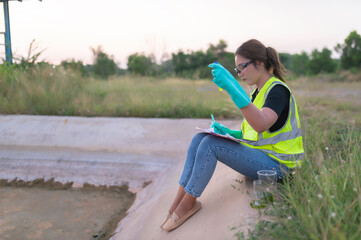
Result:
[69,29]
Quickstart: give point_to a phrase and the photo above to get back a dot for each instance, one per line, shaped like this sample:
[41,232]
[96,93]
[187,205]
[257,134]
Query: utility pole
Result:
[8,52]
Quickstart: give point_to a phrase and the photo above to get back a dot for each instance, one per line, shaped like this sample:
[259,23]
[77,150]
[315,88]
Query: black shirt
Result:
[278,100]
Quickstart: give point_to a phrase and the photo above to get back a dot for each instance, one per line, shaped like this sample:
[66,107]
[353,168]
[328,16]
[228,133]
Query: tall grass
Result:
[39,91]
[150,97]
[48,91]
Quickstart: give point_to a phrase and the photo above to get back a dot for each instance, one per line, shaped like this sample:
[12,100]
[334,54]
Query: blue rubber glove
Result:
[221,129]
[225,80]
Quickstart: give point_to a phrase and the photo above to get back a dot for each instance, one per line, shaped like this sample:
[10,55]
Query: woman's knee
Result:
[197,139]
[210,141]
[199,136]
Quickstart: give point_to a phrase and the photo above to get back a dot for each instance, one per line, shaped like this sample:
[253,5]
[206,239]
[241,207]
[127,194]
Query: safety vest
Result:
[285,145]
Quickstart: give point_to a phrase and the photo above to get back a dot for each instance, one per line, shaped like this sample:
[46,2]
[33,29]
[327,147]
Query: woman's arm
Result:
[260,120]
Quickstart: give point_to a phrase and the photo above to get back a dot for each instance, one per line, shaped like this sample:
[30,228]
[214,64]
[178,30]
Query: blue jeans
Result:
[206,149]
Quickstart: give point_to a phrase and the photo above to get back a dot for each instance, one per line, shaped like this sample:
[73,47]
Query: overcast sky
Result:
[67,29]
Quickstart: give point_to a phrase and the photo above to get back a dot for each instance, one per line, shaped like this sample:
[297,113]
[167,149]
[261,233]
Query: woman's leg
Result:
[244,160]
[202,160]
[177,199]
[190,160]
[187,170]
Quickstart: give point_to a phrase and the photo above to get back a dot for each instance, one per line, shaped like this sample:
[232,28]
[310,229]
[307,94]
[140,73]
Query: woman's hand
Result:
[224,79]
[221,129]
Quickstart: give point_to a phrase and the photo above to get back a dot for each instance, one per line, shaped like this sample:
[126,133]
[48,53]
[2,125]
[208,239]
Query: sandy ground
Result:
[51,210]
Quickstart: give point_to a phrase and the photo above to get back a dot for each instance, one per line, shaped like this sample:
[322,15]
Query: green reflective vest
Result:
[285,145]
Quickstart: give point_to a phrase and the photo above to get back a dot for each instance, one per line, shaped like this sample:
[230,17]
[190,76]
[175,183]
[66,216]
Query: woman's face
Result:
[247,71]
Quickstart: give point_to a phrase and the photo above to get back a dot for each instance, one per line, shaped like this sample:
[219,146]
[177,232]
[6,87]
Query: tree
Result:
[218,50]
[179,62]
[300,63]
[218,53]
[140,64]
[167,68]
[104,65]
[286,60]
[350,51]
[321,62]
[75,66]
[193,64]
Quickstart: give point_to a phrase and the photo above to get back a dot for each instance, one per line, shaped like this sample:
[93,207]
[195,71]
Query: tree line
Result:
[320,61]
[194,64]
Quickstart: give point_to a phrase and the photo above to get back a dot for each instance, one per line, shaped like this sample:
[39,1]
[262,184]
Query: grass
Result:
[323,201]
[48,91]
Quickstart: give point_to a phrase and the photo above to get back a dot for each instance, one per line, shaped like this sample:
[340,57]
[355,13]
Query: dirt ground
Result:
[51,210]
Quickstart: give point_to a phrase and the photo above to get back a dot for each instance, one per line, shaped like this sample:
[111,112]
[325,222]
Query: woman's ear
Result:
[259,64]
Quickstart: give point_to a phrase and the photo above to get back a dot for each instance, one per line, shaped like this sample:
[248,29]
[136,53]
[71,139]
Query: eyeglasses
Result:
[243,65]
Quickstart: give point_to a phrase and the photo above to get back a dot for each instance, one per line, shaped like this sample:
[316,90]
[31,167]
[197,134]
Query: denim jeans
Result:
[206,149]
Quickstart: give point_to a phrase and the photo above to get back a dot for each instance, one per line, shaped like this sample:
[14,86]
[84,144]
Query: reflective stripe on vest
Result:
[285,145]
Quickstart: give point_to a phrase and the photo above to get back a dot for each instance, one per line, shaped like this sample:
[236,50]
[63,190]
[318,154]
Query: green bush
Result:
[104,65]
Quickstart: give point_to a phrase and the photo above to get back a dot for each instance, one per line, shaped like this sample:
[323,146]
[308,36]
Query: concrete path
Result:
[94,150]
[113,151]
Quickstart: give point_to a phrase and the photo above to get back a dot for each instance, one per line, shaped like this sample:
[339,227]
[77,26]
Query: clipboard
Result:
[227,136]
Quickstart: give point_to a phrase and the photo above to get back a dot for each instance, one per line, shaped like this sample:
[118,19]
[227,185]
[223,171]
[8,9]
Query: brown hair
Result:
[255,50]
